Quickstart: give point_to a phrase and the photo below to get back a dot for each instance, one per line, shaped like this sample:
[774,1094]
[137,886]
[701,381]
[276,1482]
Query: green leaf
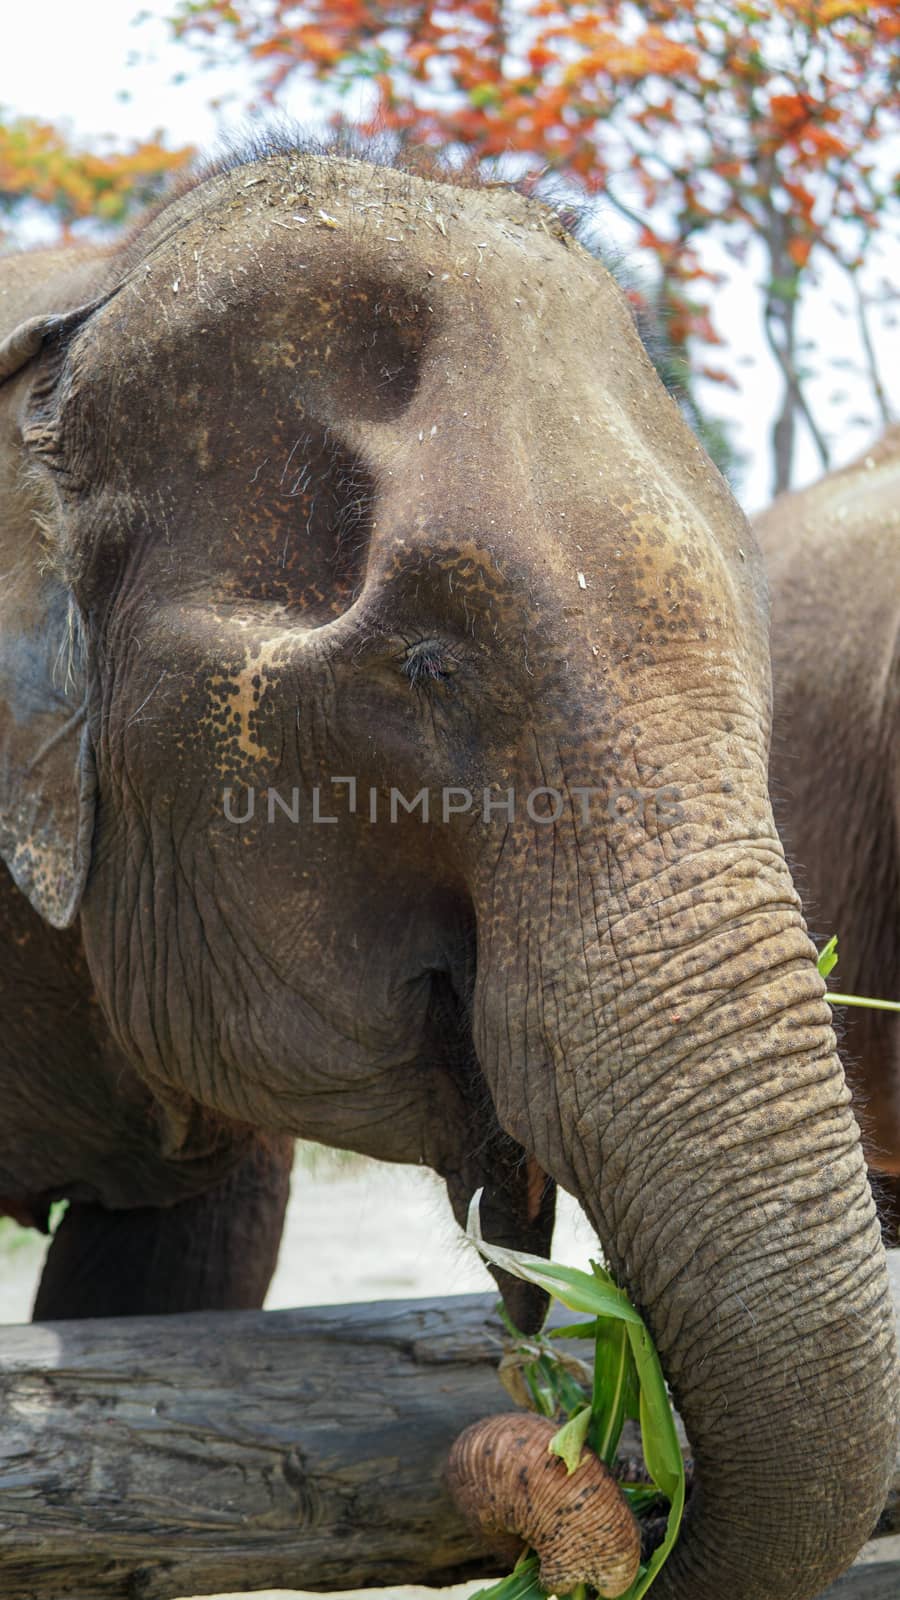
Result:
[861,1000]
[542,1390]
[569,1441]
[572,1393]
[826,963]
[627,1378]
[575,1330]
[615,1394]
[522,1584]
[541,1378]
[828,957]
[661,1554]
[580,1291]
[641,1495]
[662,1452]
[551,1376]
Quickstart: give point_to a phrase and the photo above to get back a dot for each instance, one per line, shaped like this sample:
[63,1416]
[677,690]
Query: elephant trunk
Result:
[681,1080]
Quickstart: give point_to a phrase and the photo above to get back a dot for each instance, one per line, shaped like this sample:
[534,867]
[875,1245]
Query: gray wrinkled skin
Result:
[346,472]
[833,556]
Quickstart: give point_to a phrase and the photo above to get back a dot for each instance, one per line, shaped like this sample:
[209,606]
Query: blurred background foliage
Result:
[712,131]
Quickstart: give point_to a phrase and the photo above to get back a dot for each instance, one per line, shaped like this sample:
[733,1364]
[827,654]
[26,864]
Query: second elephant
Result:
[833,557]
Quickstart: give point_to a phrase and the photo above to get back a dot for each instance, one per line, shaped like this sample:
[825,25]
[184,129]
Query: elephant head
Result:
[417,726]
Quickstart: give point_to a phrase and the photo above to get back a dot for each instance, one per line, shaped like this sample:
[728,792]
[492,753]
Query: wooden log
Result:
[875,1580]
[157,1456]
[149,1457]
[879,1580]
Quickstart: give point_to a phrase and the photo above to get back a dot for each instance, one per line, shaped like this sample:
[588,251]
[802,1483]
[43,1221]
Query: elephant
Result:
[833,558]
[385,727]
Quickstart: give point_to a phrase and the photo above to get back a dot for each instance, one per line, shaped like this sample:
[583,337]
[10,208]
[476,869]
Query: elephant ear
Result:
[27,340]
[46,763]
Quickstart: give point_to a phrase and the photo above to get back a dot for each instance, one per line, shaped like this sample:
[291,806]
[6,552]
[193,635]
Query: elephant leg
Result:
[216,1251]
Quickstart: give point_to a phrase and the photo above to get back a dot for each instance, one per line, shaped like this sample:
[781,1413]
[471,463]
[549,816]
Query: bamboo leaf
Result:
[826,963]
[662,1452]
[628,1378]
[662,1552]
[641,1495]
[580,1291]
[861,1000]
[569,1441]
[522,1584]
[615,1392]
[828,959]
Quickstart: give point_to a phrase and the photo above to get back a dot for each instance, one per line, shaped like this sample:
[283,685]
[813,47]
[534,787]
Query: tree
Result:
[40,167]
[696,119]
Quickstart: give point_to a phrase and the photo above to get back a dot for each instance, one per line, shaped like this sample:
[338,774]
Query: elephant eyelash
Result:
[427,661]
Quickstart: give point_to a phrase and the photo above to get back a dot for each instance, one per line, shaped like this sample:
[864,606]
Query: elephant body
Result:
[384,717]
[165,1213]
[833,556]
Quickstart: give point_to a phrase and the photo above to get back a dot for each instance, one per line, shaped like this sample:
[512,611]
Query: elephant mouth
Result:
[476,1151]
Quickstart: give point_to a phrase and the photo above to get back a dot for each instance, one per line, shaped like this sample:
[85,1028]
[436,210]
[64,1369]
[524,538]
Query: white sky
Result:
[70,61]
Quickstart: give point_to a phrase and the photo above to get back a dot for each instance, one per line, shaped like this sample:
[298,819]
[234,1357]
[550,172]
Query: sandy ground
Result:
[402,1592]
[362,1230]
[878,1550]
[356,1230]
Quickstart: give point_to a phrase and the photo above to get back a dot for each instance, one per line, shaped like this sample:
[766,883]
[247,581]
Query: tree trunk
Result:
[785,425]
[159,1456]
[780,323]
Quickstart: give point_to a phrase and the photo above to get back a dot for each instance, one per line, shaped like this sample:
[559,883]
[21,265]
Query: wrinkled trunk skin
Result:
[699,1112]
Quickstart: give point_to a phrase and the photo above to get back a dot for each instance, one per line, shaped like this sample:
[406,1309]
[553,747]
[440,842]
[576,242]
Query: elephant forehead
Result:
[391,309]
[303,246]
[349,362]
[464,330]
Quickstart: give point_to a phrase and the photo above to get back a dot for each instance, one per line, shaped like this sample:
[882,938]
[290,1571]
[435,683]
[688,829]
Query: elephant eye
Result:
[427,661]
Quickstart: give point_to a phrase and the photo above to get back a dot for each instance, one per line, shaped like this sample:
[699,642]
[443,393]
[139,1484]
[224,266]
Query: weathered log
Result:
[151,1457]
[876,1580]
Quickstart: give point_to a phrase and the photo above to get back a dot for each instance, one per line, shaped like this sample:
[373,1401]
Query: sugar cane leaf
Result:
[629,1372]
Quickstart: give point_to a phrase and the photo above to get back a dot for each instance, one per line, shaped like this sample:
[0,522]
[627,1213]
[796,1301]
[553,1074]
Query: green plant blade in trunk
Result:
[826,963]
[860,1000]
[616,1387]
[628,1378]
[522,1584]
[571,1439]
[580,1291]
